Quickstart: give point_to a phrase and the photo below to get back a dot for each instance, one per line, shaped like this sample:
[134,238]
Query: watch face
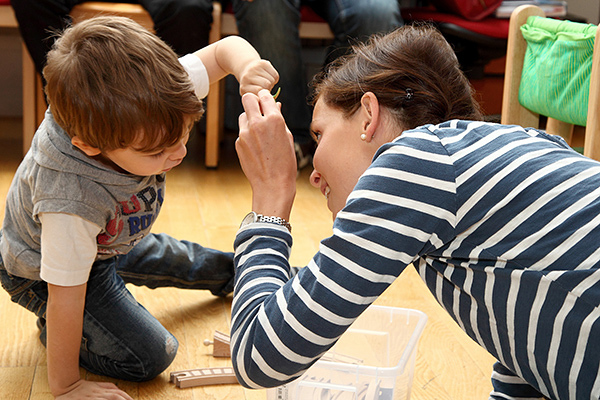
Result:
[250,218]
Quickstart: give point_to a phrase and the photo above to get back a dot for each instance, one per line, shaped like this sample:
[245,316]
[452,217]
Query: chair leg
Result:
[591,147]
[512,111]
[214,112]
[29,99]
[560,128]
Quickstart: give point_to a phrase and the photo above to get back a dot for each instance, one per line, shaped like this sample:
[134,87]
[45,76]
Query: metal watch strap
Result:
[274,220]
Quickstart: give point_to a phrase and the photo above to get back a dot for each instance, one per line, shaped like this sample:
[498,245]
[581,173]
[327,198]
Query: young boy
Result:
[82,203]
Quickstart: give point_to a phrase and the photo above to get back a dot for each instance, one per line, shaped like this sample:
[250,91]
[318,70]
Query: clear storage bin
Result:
[373,360]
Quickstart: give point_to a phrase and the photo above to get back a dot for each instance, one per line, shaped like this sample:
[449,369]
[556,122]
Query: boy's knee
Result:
[160,360]
[138,363]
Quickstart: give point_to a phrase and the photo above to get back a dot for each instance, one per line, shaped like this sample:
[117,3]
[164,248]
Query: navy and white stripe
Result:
[503,225]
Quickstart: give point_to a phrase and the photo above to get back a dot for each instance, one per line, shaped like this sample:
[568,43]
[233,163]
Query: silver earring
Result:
[363,136]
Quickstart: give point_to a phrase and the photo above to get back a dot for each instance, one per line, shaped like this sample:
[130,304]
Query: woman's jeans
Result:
[121,339]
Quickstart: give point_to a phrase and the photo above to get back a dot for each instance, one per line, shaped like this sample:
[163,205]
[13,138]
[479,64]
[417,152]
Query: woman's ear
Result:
[90,151]
[370,115]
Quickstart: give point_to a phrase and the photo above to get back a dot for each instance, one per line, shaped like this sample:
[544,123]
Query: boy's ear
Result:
[86,148]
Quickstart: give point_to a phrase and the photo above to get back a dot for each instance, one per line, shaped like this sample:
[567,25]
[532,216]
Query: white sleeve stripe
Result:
[420,154]
[422,180]
[374,247]
[243,246]
[317,308]
[262,251]
[259,281]
[355,268]
[297,326]
[263,268]
[266,368]
[283,350]
[405,202]
[388,224]
[244,306]
[337,289]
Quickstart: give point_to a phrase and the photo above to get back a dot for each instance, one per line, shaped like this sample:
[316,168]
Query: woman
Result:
[501,223]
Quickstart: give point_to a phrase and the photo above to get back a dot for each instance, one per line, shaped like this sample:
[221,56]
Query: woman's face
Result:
[341,156]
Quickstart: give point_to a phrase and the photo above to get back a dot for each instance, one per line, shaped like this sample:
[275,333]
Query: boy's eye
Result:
[160,153]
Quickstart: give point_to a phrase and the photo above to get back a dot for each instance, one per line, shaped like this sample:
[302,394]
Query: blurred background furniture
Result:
[480,47]
[514,113]
[34,104]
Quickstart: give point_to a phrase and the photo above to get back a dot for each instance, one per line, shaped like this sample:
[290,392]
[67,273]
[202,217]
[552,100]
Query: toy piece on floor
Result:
[220,345]
[203,376]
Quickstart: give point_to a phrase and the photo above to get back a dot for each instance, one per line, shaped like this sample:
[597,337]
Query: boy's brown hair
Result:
[414,73]
[109,80]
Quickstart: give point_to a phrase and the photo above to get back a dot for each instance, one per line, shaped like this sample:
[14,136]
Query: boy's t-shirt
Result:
[55,177]
[198,74]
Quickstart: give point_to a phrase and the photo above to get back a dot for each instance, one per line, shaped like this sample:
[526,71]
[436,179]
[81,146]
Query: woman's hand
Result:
[94,390]
[265,148]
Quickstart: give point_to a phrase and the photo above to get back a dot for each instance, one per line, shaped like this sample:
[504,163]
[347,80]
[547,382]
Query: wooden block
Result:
[203,376]
[220,345]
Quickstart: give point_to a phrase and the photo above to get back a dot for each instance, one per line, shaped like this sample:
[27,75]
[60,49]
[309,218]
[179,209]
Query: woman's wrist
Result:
[274,205]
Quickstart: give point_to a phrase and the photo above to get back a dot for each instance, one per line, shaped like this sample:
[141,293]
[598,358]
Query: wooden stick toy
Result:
[203,376]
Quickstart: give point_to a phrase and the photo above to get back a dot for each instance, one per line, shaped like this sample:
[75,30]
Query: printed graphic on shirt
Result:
[132,220]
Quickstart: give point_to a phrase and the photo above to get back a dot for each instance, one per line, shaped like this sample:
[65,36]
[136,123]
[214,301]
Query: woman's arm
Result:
[280,327]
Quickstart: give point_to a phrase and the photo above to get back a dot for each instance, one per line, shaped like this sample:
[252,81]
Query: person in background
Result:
[271,26]
[81,207]
[182,24]
[501,222]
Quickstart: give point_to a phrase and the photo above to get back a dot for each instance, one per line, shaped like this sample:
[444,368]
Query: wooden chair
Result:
[34,104]
[514,113]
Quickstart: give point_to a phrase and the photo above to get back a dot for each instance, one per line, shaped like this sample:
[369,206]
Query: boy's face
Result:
[142,163]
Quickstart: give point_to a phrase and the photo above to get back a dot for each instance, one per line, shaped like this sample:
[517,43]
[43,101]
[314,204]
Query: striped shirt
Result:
[502,224]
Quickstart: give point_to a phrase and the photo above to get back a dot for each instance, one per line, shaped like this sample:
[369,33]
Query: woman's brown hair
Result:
[413,72]
[112,83]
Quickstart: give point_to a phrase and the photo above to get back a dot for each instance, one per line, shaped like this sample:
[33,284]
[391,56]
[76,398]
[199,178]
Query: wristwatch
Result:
[253,217]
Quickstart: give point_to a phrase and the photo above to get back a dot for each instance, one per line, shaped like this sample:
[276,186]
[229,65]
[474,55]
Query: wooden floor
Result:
[207,206]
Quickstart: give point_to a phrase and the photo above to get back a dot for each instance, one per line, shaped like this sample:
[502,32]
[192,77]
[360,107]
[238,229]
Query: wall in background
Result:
[586,9]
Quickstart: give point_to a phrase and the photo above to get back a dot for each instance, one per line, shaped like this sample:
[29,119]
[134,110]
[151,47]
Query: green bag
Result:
[556,69]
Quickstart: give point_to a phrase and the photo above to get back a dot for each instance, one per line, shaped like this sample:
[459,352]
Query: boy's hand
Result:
[257,75]
[94,390]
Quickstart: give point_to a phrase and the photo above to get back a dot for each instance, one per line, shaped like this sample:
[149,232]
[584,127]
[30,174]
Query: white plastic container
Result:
[373,360]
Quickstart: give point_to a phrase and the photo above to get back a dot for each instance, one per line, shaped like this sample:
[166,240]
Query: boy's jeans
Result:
[121,339]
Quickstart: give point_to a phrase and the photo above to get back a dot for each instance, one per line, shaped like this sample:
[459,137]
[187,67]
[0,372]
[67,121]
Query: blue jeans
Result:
[271,26]
[121,339]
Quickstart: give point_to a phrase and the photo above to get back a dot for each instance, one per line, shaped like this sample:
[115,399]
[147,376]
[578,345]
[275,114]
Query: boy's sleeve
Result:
[198,74]
[68,248]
